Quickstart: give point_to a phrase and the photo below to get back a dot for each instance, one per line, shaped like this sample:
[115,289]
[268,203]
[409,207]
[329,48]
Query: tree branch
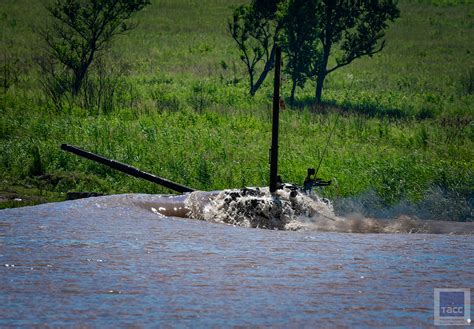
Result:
[351,58]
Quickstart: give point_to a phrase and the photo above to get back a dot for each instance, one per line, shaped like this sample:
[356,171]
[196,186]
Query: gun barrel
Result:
[127,169]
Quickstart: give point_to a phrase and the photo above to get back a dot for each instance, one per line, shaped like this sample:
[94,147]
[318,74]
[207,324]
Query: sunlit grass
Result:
[181,110]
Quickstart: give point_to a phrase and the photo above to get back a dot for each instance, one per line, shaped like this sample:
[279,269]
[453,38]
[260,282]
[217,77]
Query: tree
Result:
[82,28]
[254,28]
[299,41]
[356,27]
[309,31]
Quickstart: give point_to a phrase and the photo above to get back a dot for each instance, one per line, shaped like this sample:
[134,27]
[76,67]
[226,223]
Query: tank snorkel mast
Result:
[275,181]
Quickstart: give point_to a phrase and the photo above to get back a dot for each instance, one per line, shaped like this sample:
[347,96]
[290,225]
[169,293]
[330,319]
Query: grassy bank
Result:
[180,109]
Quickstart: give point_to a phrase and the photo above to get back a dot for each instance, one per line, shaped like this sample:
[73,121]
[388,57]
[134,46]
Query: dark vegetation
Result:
[172,97]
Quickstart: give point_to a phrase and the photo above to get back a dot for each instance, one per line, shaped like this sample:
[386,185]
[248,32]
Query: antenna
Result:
[327,144]
[275,122]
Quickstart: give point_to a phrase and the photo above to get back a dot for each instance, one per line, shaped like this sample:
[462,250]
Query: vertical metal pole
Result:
[275,122]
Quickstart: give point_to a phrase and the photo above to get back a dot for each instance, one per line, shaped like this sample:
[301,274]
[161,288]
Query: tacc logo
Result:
[452,306]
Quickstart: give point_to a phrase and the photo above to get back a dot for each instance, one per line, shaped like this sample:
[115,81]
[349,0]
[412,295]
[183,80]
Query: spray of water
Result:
[257,207]
[290,210]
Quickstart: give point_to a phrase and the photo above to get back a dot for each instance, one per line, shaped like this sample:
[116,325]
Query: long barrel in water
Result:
[132,171]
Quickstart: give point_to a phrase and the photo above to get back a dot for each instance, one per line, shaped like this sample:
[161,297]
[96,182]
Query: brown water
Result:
[118,261]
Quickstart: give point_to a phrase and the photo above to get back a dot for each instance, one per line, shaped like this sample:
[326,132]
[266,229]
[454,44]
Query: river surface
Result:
[117,261]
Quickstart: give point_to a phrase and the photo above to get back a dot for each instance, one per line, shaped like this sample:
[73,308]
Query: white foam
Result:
[283,210]
[257,207]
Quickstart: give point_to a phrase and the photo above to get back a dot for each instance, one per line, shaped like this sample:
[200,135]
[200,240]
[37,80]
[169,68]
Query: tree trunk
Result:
[79,77]
[82,71]
[252,92]
[266,69]
[292,96]
[319,86]
[322,72]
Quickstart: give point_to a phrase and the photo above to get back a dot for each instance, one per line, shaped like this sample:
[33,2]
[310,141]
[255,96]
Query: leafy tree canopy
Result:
[308,31]
[81,28]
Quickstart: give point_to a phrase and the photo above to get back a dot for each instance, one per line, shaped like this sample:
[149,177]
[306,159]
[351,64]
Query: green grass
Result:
[180,109]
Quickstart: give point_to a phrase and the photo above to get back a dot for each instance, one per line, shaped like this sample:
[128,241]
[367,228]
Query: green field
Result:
[176,104]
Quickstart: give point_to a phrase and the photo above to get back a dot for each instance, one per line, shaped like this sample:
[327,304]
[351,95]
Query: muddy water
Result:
[125,260]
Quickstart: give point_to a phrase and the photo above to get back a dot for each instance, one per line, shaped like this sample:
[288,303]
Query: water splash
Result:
[257,207]
[290,210]
[437,204]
